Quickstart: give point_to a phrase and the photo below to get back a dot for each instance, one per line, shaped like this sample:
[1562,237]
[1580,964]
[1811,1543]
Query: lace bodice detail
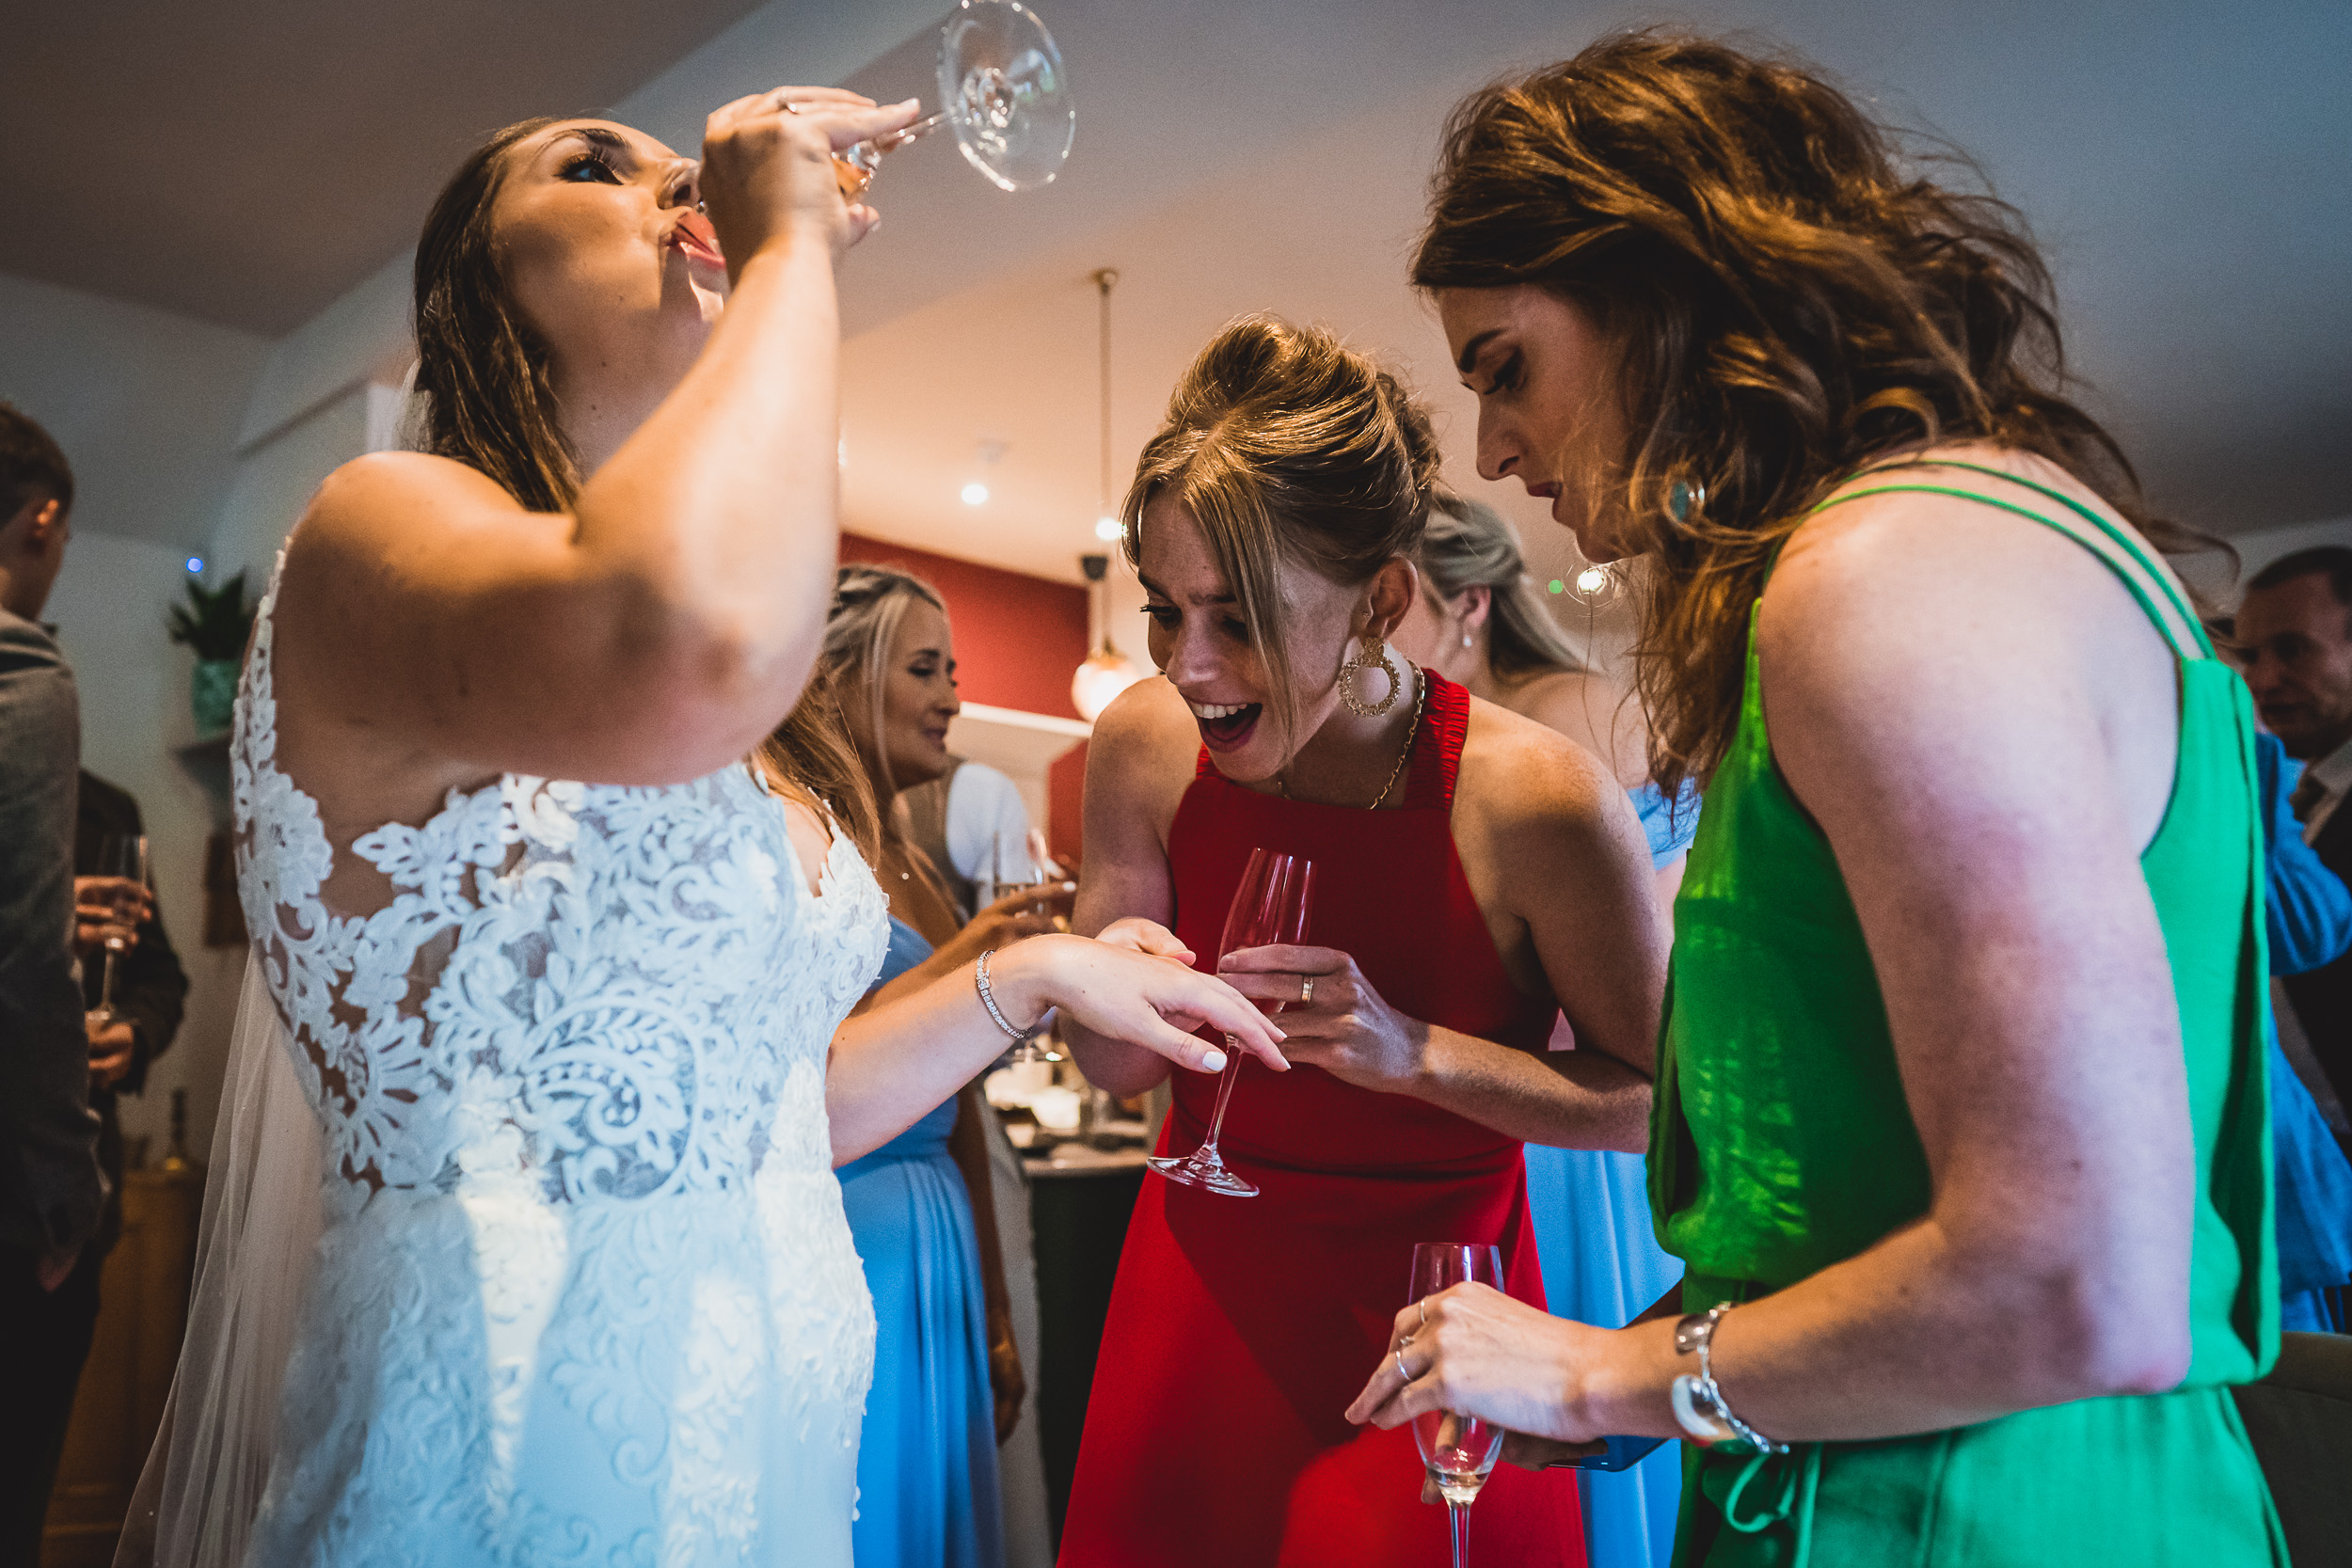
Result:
[585,1291]
[572,986]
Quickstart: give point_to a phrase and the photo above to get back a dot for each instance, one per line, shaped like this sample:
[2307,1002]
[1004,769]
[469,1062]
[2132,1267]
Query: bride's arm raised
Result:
[892,1064]
[434,631]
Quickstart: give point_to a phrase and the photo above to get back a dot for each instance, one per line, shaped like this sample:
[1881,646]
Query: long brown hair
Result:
[1785,300]
[489,403]
[1284,443]
[809,755]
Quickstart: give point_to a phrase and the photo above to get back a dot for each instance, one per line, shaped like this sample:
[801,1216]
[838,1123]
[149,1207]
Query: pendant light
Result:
[1106,672]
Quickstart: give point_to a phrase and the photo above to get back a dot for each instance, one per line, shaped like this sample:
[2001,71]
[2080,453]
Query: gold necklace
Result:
[1412,732]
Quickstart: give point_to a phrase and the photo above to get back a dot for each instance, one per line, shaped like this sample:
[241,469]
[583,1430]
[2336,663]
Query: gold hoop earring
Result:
[1360,661]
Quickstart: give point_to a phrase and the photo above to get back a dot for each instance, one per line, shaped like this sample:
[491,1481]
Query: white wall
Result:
[109,606]
[274,481]
[2256,549]
[146,404]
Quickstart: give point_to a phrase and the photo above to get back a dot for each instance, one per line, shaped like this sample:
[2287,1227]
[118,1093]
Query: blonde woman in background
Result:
[947,1378]
[1479,621]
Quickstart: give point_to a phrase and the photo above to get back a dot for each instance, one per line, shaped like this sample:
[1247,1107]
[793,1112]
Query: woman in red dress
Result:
[1475,873]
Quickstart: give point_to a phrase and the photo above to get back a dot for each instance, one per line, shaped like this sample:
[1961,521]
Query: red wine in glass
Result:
[1269,909]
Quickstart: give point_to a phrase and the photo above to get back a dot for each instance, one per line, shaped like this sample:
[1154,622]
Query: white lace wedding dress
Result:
[584,1292]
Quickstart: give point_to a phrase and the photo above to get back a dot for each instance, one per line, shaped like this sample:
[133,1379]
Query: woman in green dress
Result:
[1961,1105]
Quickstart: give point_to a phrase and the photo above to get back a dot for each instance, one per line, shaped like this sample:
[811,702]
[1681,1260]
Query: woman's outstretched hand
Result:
[1481,1353]
[1339,1023]
[767,166]
[1143,999]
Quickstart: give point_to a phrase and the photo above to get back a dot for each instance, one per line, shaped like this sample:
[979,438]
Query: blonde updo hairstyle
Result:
[1285,446]
[1467,544]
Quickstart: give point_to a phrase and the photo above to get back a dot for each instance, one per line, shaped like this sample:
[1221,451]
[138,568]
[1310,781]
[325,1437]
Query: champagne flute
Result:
[1460,1451]
[123,856]
[1003,90]
[1269,909]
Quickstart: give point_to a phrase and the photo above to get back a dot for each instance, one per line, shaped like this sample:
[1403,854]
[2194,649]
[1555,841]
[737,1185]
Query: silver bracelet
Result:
[1700,1408]
[988,1000]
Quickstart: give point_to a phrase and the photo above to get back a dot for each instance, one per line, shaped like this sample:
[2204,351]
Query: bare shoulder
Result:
[1519,777]
[1590,710]
[1142,753]
[389,499]
[1147,724]
[1884,587]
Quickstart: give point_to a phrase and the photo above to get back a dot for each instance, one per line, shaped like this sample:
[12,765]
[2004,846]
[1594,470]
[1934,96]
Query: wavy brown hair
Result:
[1284,444]
[488,402]
[1786,299]
[482,371]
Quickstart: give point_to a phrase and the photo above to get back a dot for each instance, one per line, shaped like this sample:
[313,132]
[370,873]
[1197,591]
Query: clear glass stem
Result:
[107,986]
[1224,1098]
[1457,1516]
[853,170]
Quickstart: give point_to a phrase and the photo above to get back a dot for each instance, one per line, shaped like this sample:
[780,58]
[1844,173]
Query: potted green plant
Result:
[215,626]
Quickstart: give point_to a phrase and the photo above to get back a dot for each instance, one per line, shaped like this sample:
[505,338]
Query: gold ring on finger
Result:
[1424,1304]
[1306,991]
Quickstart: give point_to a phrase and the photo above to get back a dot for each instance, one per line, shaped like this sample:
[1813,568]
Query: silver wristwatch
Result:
[1700,1408]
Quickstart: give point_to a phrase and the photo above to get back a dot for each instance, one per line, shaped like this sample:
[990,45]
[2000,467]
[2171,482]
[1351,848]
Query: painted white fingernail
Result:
[1213,1061]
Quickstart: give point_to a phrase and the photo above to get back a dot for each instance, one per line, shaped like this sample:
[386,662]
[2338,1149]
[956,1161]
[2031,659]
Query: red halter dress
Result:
[1240,1329]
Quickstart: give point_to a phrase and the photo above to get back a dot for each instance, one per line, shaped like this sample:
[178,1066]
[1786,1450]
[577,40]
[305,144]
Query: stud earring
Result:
[1683,499]
[1466,640]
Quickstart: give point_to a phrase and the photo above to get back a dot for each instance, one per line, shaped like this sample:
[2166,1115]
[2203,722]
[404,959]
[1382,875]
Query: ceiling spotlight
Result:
[196,563]
[975,493]
[1110,529]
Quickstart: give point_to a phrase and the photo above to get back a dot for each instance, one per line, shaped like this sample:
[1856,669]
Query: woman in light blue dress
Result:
[947,1377]
[927,1461]
[1480,622]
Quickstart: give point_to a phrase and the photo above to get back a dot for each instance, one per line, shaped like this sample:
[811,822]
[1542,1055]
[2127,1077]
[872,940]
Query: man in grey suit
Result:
[51,1192]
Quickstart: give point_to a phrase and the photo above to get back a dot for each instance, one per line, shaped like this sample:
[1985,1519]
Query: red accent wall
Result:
[1019,640]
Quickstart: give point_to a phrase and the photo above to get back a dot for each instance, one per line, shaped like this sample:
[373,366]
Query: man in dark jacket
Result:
[50,1193]
[151,990]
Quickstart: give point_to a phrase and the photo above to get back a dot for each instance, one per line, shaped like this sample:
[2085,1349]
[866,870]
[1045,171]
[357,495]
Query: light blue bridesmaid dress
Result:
[1602,1265]
[926,1464]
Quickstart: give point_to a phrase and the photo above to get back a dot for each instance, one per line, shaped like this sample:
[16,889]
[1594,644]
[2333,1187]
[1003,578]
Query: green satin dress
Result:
[1783,1144]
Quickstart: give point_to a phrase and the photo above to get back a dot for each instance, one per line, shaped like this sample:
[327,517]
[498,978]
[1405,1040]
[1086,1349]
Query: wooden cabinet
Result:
[142,1312]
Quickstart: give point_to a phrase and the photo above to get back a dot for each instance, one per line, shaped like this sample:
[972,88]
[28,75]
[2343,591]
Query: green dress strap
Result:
[2158,595]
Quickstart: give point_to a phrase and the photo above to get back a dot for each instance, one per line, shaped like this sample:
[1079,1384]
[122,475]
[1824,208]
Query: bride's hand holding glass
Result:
[768,170]
[1126,993]
[1332,1016]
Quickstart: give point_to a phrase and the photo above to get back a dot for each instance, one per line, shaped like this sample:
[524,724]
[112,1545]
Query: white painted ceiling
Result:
[247,161]
[2184,164]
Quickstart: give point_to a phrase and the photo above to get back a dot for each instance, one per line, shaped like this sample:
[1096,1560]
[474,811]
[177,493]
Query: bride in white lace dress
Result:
[567,1062]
